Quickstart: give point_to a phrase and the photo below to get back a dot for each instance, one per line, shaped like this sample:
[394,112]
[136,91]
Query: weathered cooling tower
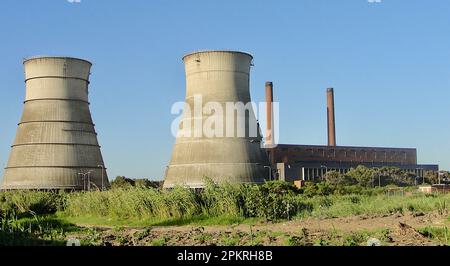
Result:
[218,78]
[56,144]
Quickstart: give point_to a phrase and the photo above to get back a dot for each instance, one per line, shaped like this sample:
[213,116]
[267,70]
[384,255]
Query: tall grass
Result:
[350,205]
[270,201]
[138,203]
[27,203]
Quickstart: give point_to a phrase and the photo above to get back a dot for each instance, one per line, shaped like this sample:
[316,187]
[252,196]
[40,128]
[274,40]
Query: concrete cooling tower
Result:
[219,78]
[56,144]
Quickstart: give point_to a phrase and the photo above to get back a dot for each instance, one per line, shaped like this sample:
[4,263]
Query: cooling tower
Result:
[219,78]
[56,144]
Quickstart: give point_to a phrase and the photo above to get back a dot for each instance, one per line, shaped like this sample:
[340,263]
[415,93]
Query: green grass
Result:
[159,242]
[29,203]
[229,241]
[439,234]
[39,230]
[201,220]
[351,205]
[216,205]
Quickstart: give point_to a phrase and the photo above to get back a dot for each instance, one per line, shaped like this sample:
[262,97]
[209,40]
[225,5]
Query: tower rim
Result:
[216,51]
[27,59]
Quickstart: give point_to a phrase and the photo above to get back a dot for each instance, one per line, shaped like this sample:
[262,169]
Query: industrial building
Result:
[56,145]
[311,162]
[223,76]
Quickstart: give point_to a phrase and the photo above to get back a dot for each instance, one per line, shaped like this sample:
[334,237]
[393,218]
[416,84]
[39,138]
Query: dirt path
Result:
[344,224]
[392,230]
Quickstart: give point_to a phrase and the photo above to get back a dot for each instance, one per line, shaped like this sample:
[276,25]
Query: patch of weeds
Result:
[143,234]
[122,240]
[385,236]
[325,202]
[355,239]
[335,238]
[92,237]
[159,242]
[355,199]
[411,208]
[441,207]
[297,241]
[203,238]
[118,229]
[398,209]
[440,234]
[321,242]
[229,240]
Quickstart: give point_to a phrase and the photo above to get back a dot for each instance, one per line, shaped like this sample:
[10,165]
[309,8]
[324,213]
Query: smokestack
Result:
[269,103]
[221,77]
[331,118]
[56,138]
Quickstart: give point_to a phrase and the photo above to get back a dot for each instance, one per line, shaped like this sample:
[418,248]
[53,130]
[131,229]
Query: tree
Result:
[146,183]
[336,178]
[122,182]
[362,175]
[431,177]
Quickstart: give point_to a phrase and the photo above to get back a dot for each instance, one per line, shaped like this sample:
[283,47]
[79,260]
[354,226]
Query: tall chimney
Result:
[331,118]
[269,103]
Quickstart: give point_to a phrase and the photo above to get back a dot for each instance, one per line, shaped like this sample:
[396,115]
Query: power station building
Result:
[56,144]
[310,162]
[223,76]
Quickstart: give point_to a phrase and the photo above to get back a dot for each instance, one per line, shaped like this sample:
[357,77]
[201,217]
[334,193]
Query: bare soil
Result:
[395,230]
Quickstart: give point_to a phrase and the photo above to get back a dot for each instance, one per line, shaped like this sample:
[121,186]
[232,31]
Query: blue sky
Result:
[389,63]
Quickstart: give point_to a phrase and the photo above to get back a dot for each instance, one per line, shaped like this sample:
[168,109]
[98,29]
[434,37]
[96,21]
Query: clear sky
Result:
[389,63]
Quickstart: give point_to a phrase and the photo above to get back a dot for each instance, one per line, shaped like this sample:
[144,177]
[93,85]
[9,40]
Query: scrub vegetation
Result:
[46,218]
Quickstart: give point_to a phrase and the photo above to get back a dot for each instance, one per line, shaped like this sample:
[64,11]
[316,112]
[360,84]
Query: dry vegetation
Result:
[275,213]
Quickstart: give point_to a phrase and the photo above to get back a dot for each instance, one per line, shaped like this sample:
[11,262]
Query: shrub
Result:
[318,189]
[225,199]
[338,179]
[273,200]
[146,183]
[122,182]
[362,175]
[29,203]
[278,200]
[310,189]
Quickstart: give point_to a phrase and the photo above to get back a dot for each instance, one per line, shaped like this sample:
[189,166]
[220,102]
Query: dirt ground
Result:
[396,230]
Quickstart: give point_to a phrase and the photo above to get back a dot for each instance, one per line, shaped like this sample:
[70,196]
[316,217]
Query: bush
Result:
[318,189]
[362,175]
[122,182]
[338,179]
[28,203]
[220,200]
[145,183]
[278,200]
[273,200]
